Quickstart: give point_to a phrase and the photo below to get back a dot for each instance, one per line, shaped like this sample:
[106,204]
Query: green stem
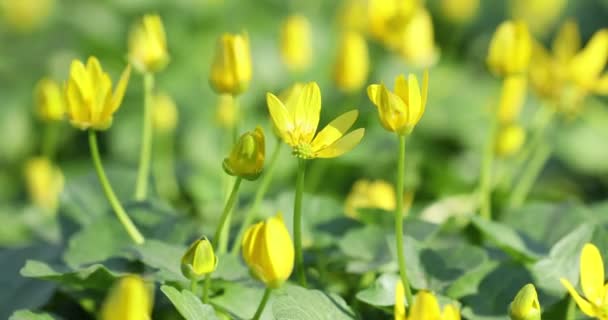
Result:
[227,210]
[193,285]
[259,196]
[485,177]
[297,222]
[237,120]
[529,176]
[110,195]
[399,220]
[143,173]
[206,286]
[164,167]
[262,305]
[50,138]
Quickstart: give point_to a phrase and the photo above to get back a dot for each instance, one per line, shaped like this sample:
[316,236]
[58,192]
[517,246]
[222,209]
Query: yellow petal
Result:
[587,65]
[334,130]
[450,312]
[425,89]
[307,112]
[399,301]
[567,42]
[425,307]
[343,145]
[372,93]
[121,87]
[280,249]
[401,89]
[601,86]
[592,274]
[414,103]
[583,304]
[280,117]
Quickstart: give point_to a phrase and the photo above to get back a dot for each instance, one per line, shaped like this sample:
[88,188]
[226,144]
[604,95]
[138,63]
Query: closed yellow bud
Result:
[226,114]
[459,11]
[199,260]
[525,306]
[399,311]
[130,298]
[400,110]
[164,115]
[450,312]
[509,140]
[50,105]
[246,160]
[231,67]
[510,49]
[148,45]
[89,97]
[268,251]
[44,182]
[352,64]
[512,99]
[296,43]
[425,306]
[416,42]
[26,15]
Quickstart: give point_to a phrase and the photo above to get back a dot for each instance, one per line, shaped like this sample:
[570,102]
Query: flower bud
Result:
[510,49]
[416,42]
[164,115]
[399,310]
[509,140]
[352,64]
[199,260]
[130,298]
[296,43]
[525,306]
[268,251]
[44,182]
[246,160]
[231,67]
[50,105]
[26,16]
[148,45]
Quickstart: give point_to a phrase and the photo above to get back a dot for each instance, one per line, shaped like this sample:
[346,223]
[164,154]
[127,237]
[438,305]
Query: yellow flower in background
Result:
[567,42]
[26,16]
[540,15]
[50,105]
[226,114]
[594,301]
[246,160]
[424,307]
[231,67]
[352,62]
[512,99]
[199,260]
[509,140]
[510,49]
[130,298]
[416,42]
[459,11]
[402,109]
[148,45]
[352,15]
[296,43]
[268,251]
[367,194]
[586,67]
[44,182]
[387,17]
[164,113]
[89,97]
[525,306]
[297,120]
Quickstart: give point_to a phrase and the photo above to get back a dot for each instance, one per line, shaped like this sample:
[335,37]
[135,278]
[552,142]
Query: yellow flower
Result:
[400,111]
[352,62]
[148,45]
[231,67]
[416,42]
[540,15]
[297,119]
[366,194]
[509,140]
[164,115]
[424,307]
[459,11]
[130,299]
[510,49]
[199,260]
[586,67]
[26,15]
[226,114]
[246,160]
[594,302]
[268,251]
[44,182]
[89,97]
[387,17]
[399,301]
[513,97]
[49,100]
[296,42]
[352,15]
[525,306]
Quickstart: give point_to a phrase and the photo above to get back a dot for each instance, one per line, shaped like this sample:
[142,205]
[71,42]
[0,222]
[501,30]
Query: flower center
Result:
[303,151]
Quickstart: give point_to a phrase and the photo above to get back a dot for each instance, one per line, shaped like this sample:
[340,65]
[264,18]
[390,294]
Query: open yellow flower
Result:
[231,68]
[268,251]
[594,301]
[510,49]
[402,109]
[296,43]
[130,298]
[424,307]
[297,122]
[89,97]
[49,100]
[148,45]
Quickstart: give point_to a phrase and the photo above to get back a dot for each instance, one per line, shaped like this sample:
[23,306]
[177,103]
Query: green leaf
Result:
[382,292]
[468,283]
[29,315]
[506,238]
[189,305]
[95,276]
[164,257]
[241,299]
[367,249]
[297,303]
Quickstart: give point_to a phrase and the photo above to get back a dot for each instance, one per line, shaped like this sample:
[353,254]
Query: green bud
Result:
[246,160]
[199,260]
[525,306]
